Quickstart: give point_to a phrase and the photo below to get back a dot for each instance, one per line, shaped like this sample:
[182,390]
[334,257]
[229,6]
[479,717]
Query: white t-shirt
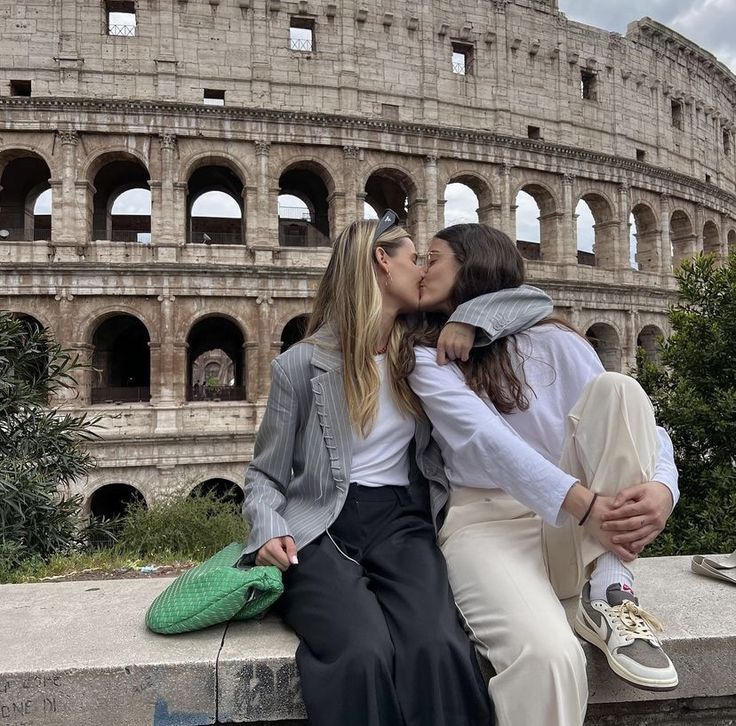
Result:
[382,457]
[519,451]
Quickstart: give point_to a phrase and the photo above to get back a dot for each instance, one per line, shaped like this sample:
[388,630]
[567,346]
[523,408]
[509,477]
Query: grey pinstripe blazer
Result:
[298,479]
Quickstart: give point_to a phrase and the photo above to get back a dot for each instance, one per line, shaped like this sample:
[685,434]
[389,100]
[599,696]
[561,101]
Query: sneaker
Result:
[624,633]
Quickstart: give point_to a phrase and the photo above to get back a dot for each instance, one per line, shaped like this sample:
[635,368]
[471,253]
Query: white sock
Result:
[609,569]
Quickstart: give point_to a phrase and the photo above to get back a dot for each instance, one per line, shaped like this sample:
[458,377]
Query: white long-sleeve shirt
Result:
[518,452]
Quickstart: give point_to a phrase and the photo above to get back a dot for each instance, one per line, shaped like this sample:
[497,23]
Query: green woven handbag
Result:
[214,592]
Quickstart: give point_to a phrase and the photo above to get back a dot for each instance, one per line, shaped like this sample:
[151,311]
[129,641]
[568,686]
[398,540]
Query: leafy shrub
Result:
[693,389]
[195,527]
[42,450]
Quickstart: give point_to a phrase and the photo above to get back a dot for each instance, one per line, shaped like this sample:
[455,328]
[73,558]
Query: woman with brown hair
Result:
[514,548]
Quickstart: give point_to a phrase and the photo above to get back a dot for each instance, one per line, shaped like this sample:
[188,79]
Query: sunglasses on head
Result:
[388,220]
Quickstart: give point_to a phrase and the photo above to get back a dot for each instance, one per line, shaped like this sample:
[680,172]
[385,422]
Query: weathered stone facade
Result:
[370,110]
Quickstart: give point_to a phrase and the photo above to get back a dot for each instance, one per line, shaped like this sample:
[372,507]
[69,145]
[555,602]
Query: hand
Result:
[455,342]
[638,515]
[602,509]
[279,551]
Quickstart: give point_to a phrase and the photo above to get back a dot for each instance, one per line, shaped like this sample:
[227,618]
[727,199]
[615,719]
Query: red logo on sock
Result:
[626,588]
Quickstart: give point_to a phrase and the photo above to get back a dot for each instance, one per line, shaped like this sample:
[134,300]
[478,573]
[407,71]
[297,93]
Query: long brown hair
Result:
[349,301]
[489,261]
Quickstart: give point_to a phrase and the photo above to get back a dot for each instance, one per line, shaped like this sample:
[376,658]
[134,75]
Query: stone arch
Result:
[605,339]
[214,174]
[110,174]
[682,236]
[391,186]
[649,338]
[647,254]
[605,229]
[482,189]
[221,488]
[23,176]
[92,321]
[548,205]
[213,157]
[313,183]
[711,239]
[215,339]
[121,360]
[92,165]
[109,501]
[35,317]
[294,331]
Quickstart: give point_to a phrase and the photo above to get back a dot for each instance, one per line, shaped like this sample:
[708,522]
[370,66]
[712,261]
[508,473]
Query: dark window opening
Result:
[213,97]
[588,85]
[534,132]
[301,35]
[641,155]
[121,18]
[20,88]
[462,59]
[726,142]
[707,178]
[677,116]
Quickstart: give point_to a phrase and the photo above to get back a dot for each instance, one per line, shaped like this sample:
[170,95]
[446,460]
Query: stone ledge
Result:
[78,654]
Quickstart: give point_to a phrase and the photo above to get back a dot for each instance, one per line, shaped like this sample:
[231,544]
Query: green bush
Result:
[194,527]
[693,389]
[42,449]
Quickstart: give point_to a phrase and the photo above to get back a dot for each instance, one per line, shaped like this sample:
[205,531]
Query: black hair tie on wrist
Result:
[588,511]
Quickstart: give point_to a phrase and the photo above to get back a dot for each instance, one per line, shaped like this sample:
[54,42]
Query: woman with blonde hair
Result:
[343,494]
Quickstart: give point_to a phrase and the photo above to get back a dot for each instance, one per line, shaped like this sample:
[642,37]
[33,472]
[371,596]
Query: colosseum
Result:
[254,129]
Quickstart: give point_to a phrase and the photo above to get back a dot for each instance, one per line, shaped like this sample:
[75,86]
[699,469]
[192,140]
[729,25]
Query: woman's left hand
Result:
[638,515]
[455,342]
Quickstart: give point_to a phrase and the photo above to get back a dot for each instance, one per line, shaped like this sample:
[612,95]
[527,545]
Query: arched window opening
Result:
[711,240]
[215,210]
[121,361]
[215,361]
[596,232]
[650,339]
[604,339]
[223,489]
[461,204]
[644,239]
[123,181]
[24,179]
[130,215]
[392,189]
[585,234]
[304,210]
[113,502]
[528,226]
[294,331]
[682,237]
[731,242]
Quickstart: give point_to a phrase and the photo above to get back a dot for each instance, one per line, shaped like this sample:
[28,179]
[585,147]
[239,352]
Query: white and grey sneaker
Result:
[624,633]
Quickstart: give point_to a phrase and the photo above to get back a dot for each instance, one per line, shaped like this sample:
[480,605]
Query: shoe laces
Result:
[635,621]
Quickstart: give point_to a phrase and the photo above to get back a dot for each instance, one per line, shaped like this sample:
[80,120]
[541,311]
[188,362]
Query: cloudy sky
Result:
[709,23]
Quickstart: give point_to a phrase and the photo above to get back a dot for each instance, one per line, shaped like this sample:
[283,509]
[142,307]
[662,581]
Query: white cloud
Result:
[461,204]
[527,218]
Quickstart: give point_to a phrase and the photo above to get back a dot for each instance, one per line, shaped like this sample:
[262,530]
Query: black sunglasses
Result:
[388,220]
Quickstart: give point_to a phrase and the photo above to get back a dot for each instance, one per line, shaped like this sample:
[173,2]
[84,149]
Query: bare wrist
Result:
[578,501]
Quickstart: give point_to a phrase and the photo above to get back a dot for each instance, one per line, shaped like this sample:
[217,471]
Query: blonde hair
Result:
[349,301]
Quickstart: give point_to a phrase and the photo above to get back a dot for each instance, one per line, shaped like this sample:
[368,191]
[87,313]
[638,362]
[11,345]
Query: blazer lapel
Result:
[329,396]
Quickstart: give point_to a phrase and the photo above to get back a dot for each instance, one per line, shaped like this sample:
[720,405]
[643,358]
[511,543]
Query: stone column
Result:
[163,396]
[699,222]
[354,196]
[629,342]
[266,219]
[252,384]
[622,240]
[265,352]
[168,226]
[64,224]
[665,244]
[567,245]
[508,205]
[433,223]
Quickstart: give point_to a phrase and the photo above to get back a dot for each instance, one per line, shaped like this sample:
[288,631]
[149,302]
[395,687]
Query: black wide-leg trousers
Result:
[381,643]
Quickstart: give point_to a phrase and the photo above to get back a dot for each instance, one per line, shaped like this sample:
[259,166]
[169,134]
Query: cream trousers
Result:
[508,569]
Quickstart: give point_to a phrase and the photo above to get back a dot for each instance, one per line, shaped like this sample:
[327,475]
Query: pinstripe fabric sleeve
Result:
[269,472]
[505,312]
